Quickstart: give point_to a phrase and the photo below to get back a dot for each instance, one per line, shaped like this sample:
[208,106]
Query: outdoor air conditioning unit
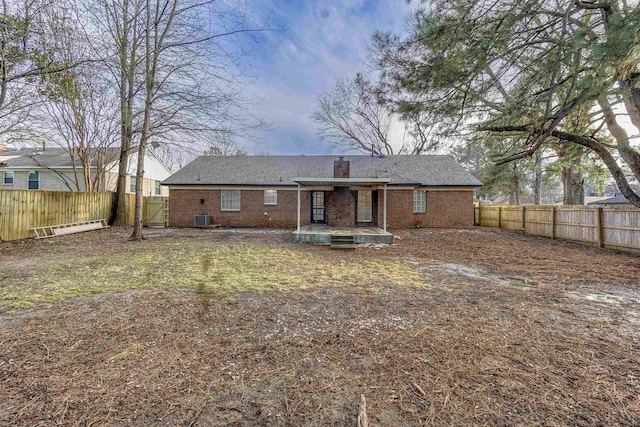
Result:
[202,220]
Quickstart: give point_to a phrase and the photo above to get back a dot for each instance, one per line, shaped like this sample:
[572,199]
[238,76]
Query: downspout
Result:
[384,209]
[298,230]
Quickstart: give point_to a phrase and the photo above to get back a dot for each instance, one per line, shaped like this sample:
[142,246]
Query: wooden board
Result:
[77,229]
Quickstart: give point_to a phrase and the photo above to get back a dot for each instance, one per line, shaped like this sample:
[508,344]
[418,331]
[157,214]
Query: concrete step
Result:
[342,241]
[343,246]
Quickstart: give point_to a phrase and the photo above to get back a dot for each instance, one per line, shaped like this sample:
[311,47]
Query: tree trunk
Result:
[86,166]
[630,156]
[571,157]
[126,88]
[136,234]
[631,97]
[98,182]
[516,185]
[573,186]
[537,189]
[151,58]
[121,187]
[609,161]
[123,160]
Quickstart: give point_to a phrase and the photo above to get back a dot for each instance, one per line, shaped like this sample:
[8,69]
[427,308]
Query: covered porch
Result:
[342,206]
[321,234]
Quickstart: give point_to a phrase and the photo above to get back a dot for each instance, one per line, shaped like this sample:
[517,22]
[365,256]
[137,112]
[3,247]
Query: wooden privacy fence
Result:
[155,210]
[617,227]
[22,210]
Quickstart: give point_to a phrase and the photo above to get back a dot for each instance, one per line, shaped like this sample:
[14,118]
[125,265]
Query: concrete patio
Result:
[321,234]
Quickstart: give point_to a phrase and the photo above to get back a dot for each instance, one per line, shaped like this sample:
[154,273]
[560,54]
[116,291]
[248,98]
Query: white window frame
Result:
[28,180]
[158,188]
[419,201]
[270,197]
[4,177]
[230,200]
[133,184]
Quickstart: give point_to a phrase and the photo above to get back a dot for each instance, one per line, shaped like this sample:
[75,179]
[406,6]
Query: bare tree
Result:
[79,111]
[350,118]
[118,41]
[82,115]
[421,130]
[176,64]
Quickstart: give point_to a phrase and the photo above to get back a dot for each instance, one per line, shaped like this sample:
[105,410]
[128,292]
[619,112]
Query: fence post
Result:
[499,216]
[553,222]
[524,230]
[599,227]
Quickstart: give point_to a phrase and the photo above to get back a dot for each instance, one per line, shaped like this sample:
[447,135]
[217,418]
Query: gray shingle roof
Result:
[617,200]
[50,158]
[281,170]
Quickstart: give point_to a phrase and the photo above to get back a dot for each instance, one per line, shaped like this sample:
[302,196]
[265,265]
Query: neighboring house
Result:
[590,199]
[503,199]
[616,200]
[286,191]
[52,169]
[613,196]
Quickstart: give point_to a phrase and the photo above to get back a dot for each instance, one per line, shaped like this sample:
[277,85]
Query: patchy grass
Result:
[224,268]
[464,327]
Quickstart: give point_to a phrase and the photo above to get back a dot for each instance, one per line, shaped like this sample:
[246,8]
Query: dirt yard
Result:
[243,328]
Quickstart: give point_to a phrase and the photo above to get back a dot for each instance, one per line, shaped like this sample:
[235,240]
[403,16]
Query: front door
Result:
[318,209]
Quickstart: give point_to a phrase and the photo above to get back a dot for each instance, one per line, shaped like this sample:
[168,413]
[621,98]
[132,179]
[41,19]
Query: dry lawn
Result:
[224,328]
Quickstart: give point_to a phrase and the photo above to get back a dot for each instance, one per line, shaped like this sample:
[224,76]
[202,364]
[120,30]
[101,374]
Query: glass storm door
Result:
[365,205]
[317,207]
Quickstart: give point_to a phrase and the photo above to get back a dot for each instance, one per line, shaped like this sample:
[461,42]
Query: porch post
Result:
[384,210]
[298,208]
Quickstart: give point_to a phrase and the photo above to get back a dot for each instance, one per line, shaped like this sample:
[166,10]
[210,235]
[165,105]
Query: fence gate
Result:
[157,211]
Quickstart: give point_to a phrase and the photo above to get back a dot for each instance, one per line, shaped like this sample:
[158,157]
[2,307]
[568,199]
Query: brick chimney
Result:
[341,168]
[3,148]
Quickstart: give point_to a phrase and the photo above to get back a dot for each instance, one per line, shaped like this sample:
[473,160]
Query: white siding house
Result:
[52,169]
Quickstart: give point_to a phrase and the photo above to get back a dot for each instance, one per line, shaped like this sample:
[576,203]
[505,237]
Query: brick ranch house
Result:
[350,191]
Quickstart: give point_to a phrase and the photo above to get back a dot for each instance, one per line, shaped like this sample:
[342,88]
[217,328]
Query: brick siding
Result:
[445,209]
[185,204]
[341,207]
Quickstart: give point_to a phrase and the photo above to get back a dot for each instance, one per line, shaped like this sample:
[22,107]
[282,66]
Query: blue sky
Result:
[324,41]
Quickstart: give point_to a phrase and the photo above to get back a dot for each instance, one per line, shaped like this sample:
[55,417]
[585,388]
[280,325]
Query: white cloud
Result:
[324,42]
